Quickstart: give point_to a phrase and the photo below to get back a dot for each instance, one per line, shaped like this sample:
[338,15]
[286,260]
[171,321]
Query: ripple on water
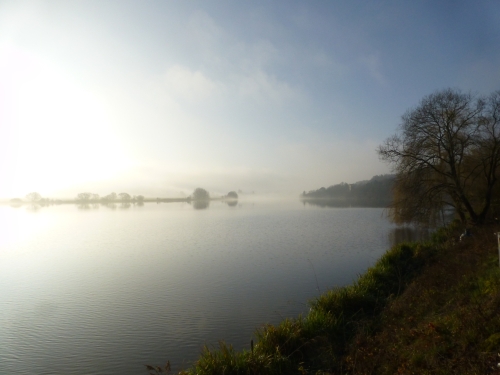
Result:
[105,292]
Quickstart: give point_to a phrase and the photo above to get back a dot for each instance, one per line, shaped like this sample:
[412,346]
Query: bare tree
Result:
[446,153]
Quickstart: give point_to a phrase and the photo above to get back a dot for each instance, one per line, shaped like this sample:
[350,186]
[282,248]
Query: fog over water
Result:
[161,97]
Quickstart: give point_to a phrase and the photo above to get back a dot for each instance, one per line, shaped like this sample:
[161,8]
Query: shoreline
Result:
[53,202]
[409,313]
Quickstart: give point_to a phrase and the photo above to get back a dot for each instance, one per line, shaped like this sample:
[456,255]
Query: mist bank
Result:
[199,194]
[245,196]
[376,192]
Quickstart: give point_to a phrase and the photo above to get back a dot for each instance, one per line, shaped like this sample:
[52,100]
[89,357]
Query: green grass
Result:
[422,308]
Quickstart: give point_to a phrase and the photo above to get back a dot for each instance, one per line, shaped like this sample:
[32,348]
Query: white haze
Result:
[158,98]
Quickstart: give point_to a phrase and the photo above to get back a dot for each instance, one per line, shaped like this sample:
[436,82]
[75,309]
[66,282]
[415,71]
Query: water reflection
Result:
[16,202]
[232,203]
[87,206]
[408,234]
[123,272]
[33,207]
[338,203]
[110,205]
[201,205]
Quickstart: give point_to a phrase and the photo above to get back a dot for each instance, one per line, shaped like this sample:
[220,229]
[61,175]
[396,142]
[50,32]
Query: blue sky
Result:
[160,97]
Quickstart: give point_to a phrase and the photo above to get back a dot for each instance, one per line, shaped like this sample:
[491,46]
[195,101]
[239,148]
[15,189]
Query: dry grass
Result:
[446,322]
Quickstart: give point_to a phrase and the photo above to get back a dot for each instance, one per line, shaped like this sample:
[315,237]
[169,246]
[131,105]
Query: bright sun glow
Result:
[60,134]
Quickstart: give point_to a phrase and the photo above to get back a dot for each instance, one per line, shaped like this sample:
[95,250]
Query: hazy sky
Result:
[158,97]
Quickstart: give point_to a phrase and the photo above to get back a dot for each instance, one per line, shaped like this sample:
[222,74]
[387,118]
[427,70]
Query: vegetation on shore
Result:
[376,192]
[422,308]
[446,321]
[446,156]
[200,199]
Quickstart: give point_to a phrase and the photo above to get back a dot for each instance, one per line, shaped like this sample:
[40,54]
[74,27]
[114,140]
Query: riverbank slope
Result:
[426,308]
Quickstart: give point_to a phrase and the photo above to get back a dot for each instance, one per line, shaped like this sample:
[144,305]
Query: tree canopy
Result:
[84,197]
[33,197]
[110,197]
[375,192]
[445,154]
[232,195]
[125,196]
[200,194]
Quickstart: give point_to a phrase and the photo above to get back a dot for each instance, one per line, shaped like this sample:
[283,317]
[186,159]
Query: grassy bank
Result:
[423,308]
[446,322]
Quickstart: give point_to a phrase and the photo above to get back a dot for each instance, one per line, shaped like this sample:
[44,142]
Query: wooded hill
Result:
[376,192]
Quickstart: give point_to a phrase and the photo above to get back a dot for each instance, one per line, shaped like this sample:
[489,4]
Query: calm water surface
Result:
[107,290]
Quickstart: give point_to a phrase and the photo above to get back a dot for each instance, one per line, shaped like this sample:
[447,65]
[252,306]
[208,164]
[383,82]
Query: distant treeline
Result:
[376,192]
[200,199]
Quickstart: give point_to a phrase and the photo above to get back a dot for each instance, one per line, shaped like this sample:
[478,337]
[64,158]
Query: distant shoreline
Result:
[50,202]
[344,202]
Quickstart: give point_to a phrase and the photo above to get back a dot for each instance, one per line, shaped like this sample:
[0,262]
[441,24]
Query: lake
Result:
[107,289]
